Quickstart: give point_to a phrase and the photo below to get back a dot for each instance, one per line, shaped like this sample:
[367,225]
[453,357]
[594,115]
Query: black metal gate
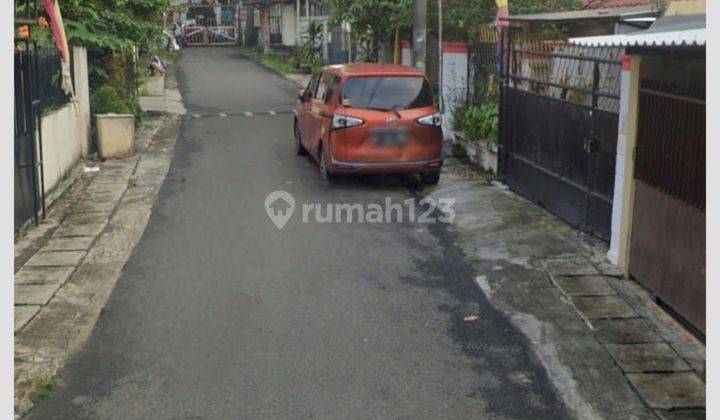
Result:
[558,127]
[28,200]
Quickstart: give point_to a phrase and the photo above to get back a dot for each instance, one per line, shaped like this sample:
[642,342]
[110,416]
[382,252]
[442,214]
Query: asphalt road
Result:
[219,314]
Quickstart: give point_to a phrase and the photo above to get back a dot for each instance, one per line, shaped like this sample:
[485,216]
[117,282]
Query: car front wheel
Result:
[299,148]
[430,178]
[324,171]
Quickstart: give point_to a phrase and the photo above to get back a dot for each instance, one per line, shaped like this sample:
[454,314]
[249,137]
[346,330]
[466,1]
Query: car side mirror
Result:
[301,94]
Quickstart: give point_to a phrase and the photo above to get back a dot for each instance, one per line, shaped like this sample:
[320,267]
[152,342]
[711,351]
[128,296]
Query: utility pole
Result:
[440,55]
[419,34]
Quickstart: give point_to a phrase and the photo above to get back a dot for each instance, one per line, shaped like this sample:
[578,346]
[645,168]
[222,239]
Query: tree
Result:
[463,18]
[373,22]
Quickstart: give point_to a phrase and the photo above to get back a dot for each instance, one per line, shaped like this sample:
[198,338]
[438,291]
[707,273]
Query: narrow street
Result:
[219,314]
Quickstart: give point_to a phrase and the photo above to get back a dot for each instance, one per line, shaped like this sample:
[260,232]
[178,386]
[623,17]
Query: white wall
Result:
[288,25]
[454,81]
[66,131]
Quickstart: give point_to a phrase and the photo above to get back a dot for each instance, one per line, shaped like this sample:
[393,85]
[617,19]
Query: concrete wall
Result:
[66,131]
[454,80]
[288,25]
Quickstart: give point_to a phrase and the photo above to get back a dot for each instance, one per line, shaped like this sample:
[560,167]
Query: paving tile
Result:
[584,286]
[670,390]
[609,269]
[34,294]
[681,414]
[90,206]
[603,307]
[85,218]
[23,315]
[69,243]
[89,229]
[649,357]
[43,275]
[55,258]
[624,331]
[570,267]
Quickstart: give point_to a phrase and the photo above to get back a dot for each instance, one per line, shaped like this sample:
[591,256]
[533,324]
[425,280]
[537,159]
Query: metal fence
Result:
[670,152]
[49,79]
[484,68]
[587,76]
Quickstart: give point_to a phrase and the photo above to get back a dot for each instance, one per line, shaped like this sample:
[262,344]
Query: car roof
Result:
[371,69]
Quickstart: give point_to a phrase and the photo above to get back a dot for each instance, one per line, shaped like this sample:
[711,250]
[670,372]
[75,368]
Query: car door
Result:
[320,113]
[304,111]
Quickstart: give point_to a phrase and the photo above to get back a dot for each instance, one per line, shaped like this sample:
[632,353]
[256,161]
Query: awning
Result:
[669,31]
[617,14]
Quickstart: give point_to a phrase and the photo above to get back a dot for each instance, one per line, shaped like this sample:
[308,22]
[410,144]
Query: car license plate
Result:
[388,137]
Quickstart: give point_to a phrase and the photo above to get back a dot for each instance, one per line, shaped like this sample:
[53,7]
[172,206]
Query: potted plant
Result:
[114,122]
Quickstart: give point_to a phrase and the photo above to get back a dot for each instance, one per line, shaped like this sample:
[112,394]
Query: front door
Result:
[305,119]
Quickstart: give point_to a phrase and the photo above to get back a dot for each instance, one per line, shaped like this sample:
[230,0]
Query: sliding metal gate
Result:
[558,127]
[211,25]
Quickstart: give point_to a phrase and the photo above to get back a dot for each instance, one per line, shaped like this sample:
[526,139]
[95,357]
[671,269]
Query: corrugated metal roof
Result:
[606,4]
[669,31]
[618,13]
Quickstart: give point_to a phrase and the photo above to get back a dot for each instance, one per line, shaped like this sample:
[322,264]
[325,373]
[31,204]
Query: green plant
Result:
[43,389]
[482,123]
[310,52]
[471,123]
[373,22]
[106,100]
[458,117]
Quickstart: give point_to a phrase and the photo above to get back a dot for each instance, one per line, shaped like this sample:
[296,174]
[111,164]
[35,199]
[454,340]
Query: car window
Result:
[332,89]
[312,84]
[324,90]
[386,93]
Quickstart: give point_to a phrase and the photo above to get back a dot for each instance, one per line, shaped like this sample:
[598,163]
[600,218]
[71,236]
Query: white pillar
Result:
[297,23]
[623,195]
[82,95]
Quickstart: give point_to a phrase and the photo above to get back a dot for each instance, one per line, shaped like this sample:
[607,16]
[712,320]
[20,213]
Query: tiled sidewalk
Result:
[48,270]
[609,348]
[664,380]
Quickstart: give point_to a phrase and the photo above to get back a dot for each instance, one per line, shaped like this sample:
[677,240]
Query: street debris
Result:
[470,318]
[91,169]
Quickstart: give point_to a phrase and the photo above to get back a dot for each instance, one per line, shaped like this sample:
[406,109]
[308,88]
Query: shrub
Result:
[106,100]
[458,117]
[481,123]
[472,123]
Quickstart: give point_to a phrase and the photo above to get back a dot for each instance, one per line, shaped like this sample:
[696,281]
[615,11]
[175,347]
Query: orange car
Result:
[370,118]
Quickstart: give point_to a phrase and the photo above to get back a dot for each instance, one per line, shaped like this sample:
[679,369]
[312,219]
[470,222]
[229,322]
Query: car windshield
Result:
[386,93]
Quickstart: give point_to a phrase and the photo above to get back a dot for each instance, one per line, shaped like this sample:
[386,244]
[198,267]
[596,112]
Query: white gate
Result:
[211,25]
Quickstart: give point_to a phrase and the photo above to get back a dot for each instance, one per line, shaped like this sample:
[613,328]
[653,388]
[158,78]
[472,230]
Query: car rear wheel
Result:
[299,148]
[324,172]
[430,178]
